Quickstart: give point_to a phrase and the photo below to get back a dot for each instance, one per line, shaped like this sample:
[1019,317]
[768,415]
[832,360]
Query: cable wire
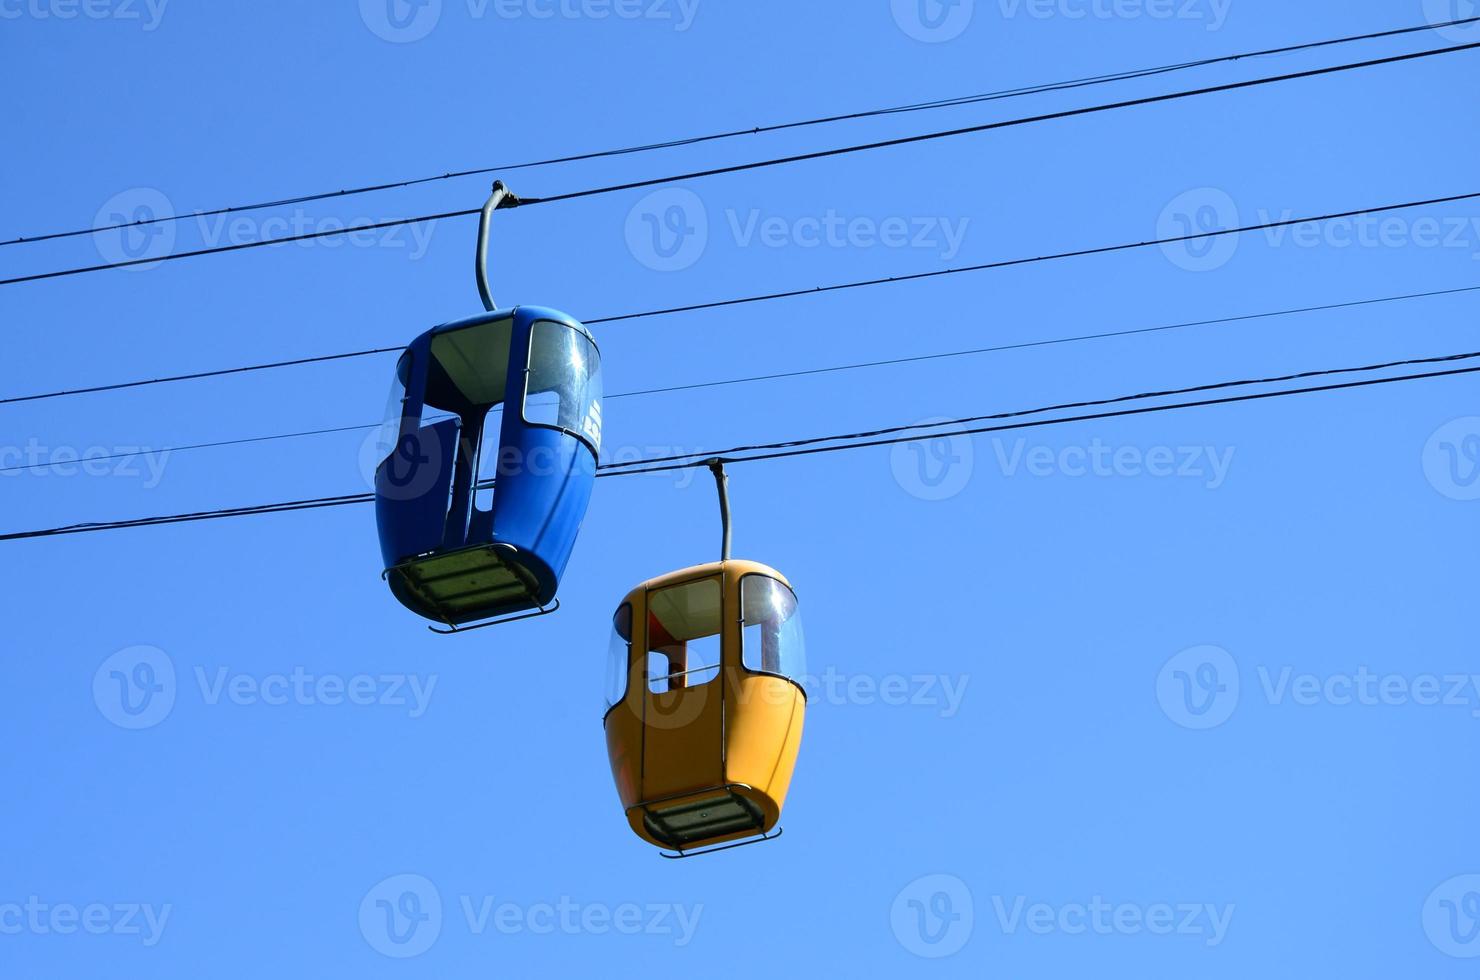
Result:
[755,165]
[1052,257]
[1040,423]
[1025,345]
[788,294]
[221,372]
[946,103]
[809,447]
[1064,407]
[1001,124]
[811,372]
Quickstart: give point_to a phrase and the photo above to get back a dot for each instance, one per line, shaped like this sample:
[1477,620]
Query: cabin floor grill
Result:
[689,824]
[462,586]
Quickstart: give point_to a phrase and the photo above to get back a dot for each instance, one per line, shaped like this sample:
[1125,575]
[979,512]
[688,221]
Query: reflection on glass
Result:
[617,654]
[390,429]
[564,381]
[772,632]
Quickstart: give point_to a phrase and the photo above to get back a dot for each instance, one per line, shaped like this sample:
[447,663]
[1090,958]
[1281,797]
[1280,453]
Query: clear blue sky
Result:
[1328,548]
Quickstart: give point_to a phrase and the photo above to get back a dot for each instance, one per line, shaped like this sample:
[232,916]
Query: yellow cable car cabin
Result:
[704,704]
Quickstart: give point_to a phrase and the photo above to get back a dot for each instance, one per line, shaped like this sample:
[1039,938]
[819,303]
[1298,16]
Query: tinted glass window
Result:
[618,652]
[395,406]
[564,381]
[772,633]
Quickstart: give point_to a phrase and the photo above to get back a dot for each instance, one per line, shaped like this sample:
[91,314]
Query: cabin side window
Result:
[772,641]
[618,657]
[683,629]
[488,457]
[564,389]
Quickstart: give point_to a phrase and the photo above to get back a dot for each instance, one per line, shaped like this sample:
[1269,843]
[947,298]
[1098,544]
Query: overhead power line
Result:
[788,294]
[1034,260]
[947,103]
[219,444]
[197,375]
[1003,124]
[858,440]
[1040,423]
[755,165]
[812,372]
[1063,407]
[1053,342]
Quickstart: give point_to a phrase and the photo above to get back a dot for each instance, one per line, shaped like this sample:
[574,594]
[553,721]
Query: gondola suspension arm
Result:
[501,197]
[722,481]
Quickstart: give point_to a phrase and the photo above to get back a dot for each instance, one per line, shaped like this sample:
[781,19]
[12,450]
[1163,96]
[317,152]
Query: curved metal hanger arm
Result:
[717,466]
[501,197]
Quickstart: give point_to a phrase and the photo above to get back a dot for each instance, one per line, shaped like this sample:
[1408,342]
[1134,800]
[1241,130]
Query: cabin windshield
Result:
[389,435]
[618,656]
[564,382]
[772,636]
[683,635]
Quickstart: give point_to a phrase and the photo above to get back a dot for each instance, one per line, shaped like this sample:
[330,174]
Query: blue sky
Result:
[1182,694]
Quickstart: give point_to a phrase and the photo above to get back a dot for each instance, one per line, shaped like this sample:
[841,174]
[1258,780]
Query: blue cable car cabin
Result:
[510,400]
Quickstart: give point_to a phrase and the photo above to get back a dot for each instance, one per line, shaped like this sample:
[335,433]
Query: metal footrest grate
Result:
[462,586]
[685,825]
